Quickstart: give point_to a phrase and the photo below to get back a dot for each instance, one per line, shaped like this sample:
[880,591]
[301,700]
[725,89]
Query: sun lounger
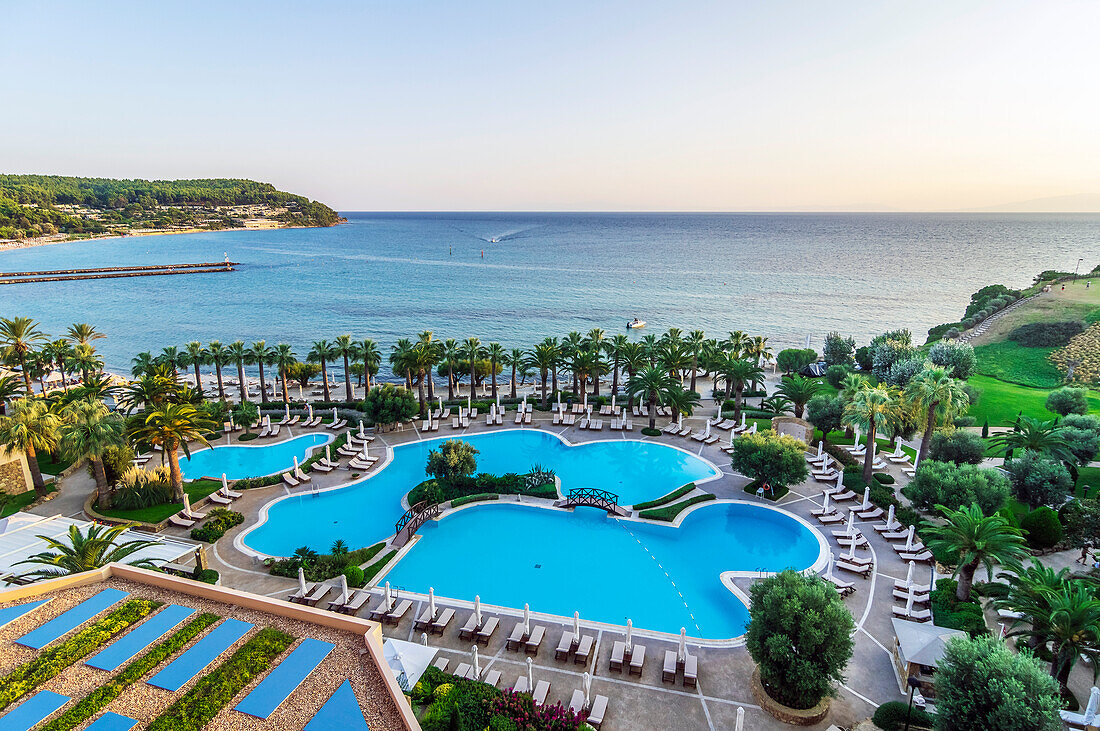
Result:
[635,410]
[531,646]
[464,671]
[486,632]
[542,689]
[637,660]
[517,638]
[492,677]
[299,595]
[565,646]
[455,423]
[520,686]
[726,424]
[473,413]
[576,702]
[670,428]
[843,565]
[557,418]
[615,425]
[424,621]
[618,655]
[181,522]
[293,420]
[898,535]
[917,615]
[918,598]
[439,626]
[290,480]
[356,602]
[917,547]
[922,557]
[904,459]
[519,417]
[359,464]
[830,518]
[859,540]
[870,514]
[596,425]
[301,475]
[712,439]
[919,588]
[321,466]
[686,431]
[825,476]
[441,663]
[584,650]
[698,436]
[859,560]
[817,512]
[218,499]
[275,431]
[668,671]
[583,424]
[468,629]
[266,431]
[628,425]
[691,671]
[316,595]
[843,496]
[597,711]
[844,587]
[605,410]
[394,617]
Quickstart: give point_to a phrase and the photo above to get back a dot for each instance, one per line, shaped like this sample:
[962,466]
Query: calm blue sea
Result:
[515,278]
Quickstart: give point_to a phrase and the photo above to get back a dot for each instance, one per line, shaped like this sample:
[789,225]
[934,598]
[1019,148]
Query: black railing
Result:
[609,501]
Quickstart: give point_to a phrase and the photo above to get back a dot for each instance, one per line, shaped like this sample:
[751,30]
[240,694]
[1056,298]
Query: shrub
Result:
[354,575]
[981,684]
[1081,521]
[1068,400]
[453,459]
[838,350]
[888,349]
[248,436]
[956,486]
[775,459]
[1082,436]
[1037,480]
[792,360]
[674,495]
[1046,334]
[991,589]
[669,512]
[959,358]
[883,478]
[218,521]
[389,404]
[948,611]
[322,568]
[138,488]
[651,432]
[116,459]
[864,358]
[825,412]
[960,447]
[1041,527]
[840,454]
[476,498]
[799,661]
[371,571]
[834,374]
[901,372]
[892,716]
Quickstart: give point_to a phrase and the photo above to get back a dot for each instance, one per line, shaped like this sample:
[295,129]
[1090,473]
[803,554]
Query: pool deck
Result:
[645,703]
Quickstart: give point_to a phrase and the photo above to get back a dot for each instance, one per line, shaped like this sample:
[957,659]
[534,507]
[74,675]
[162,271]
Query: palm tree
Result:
[82,333]
[94,549]
[284,357]
[571,344]
[400,353]
[799,389]
[10,389]
[449,353]
[141,363]
[736,344]
[976,539]
[371,357]
[61,353]
[154,388]
[218,356]
[18,336]
[347,349]
[870,408]
[682,401]
[428,358]
[614,349]
[196,355]
[322,352]
[596,340]
[1029,593]
[87,431]
[172,427]
[850,385]
[421,358]
[515,360]
[472,351]
[633,360]
[261,354]
[1073,627]
[30,428]
[238,353]
[940,396]
[87,361]
[555,350]
[496,354]
[738,372]
[695,342]
[172,358]
[1033,435]
[585,362]
[542,358]
[653,385]
[98,387]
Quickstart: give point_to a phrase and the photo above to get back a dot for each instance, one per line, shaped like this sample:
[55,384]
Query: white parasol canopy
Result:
[866,498]
[431,602]
[587,682]
[186,504]
[362,430]
[909,601]
[840,481]
[740,719]
[909,575]
[576,626]
[820,448]
[389,596]
[225,483]
[629,634]
[829,567]
[343,589]
[527,620]
[890,517]
[477,611]
[850,529]
[476,661]
[910,537]
[530,674]
[302,581]
[682,651]
[825,505]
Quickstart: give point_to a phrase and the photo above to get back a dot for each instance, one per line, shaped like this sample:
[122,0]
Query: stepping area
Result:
[64,624]
[140,638]
[112,722]
[32,711]
[285,679]
[10,614]
[192,662]
[340,711]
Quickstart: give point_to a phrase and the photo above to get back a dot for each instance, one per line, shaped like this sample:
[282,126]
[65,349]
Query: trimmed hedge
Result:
[371,571]
[669,512]
[948,612]
[772,495]
[213,692]
[890,716]
[52,661]
[480,497]
[98,699]
[883,479]
[220,520]
[674,495]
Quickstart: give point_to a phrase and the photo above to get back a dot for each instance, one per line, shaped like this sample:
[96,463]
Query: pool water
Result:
[663,578]
[365,512]
[238,462]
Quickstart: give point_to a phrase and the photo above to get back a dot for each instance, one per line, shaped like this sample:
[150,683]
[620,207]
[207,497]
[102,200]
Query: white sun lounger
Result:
[289,480]
[917,615]
[180,522]
[230,494]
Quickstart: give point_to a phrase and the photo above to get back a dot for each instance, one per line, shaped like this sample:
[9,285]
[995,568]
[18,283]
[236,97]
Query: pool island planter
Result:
[786,714]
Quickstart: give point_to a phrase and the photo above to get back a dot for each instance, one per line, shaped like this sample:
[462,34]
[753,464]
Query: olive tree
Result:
[777,460]
[453,459]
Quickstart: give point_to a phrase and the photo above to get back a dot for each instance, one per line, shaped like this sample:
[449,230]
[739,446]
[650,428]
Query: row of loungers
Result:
[188,519]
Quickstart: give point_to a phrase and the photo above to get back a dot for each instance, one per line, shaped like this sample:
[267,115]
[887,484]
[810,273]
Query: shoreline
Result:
[34,243]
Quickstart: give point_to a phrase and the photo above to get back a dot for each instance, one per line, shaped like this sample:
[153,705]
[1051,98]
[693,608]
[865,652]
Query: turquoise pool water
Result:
[364,513]
[239,462]
[609,570]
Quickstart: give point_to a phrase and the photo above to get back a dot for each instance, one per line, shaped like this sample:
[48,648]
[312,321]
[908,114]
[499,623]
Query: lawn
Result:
[1088,481]
[48,467]
[196,490]
[1015,363]
[20,501]
[1075,303]
[1000,402]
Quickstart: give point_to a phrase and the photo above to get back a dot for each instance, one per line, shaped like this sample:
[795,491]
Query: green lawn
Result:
[196,490]
[1012,362]
[20,501]
[1088,481]
[1000,402]
[48,467]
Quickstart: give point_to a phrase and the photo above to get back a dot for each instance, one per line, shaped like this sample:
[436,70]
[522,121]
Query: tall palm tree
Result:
[219,356]
[172,358]
[760,351]
[596,340]
[633,360]
[738,372]
[653,385]
[1033,435]
[10,389]
[976,539]
[682,401]
[870,408]
[172,427]
[284,357]
[86,432]
[85,551]
[196,355]
[571,344]
[428,358]
[87,361]
[371,357]
[675,357]
[1029,593]
[347,349]
[261,354]
[542,358]
[554,348]
[496,354]
[472,352]
[420,359]
[649,345]
[18,337]
[1073,628]
[515,360]
[449,353]
[614,349]
[737,343]
[30,428]
[850,385]
[401,360]
[799,389]
[586,364]
[84,334]
[322,352]
[696,340]
[61,353]
[153,388]
[238,353]
[940,396]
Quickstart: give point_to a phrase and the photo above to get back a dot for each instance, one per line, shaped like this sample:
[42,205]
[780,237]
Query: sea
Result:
[515,278]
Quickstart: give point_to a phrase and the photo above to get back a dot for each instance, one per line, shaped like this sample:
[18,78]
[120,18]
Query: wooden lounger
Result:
[918,588]
[542,689]
[917,615]
[618,654]
[356,602]
[464,671]
[492,678]
[637,660]
[565,646]
[691,671]
[576,702]
[439,626]
[399,611]
[299,595]
[517,638]
[584,650]
[468,629]
[531,647]
[597,711]
[316,595]
[424,621]
[830,518]
[668,671]
[843,565]
[922,557]
[844,587]
[486,632]
[441,663]
[290,480]
[918,598]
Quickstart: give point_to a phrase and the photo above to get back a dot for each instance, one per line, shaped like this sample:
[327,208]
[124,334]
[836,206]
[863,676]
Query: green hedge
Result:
[891,716]
[883,479]
[669,512]
[248,436]
[98,699]
[674,495]
[51,662]
[326,566]
[480,497]
[948,612]
[213,692]
[371,571]
[219,521]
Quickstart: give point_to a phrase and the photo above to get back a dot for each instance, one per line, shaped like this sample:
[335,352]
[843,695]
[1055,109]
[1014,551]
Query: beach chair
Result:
[597,711]
[323,466]
[356,602]
[492,677]
[844,496]
[472,414]
[637,660]
[534,642]
[691,671]
[399,611]
[583,651]
[830,518]
[424,621]
[299,595]
[266,431]
[686,431]
[597,425]
[628,425]
[615,425]
[829,476]
[318,593]
[901,534]
[499,420]
[455,423]
[583,424]
[871,513]
[486,632]
[527,417]
[922,557]
[635,411]
[618,655]
[859,540]
[844,587]
[670,428]
[918,597]
[290,481]
[179,522]
[230,494]
[441,663]
[712,439]
[468,629]
[426,425]
[439,626]
[218,499]
[668,670]
[576,702]
[899,584]
[863,571]
[293,420]
[517,638]
[556,421]
[917,615]
[446,414]
[565,646]
[519,417]
[542,689]
[464,671]
[917,547]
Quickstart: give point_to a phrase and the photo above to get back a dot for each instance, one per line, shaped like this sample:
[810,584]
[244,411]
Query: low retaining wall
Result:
[793,716]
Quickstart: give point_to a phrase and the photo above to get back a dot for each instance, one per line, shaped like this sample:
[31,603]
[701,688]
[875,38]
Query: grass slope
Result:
[1000,402]
[1012,362]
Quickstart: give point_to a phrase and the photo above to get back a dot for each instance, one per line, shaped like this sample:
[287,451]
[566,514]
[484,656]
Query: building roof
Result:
[19,540]
[922,643]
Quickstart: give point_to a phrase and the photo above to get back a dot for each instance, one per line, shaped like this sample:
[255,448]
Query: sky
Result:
[426,105]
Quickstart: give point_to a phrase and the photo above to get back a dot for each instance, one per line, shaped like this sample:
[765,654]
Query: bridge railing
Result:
[593,496]
[415,517]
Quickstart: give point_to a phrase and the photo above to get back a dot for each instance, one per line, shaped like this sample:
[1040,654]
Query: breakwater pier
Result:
[152,270]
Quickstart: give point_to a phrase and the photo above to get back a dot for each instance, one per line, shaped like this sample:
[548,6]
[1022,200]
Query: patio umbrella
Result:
[225,483]
[301,393]
[839,481]
[585,400]
[431,602]
[526,620]
[856,442]
[334,417]
[909,601]
[890,517]
[296,470]
[829,567]
[680,420]
[909,538]
[310,407]
[362,431]
[681,654]
[441,404]
[1093,706]
[850,529]
[364,453]
[588,411]
[731,437]
[851,550]
[612,403]
[469,402]
[530,675]
[825,505]
[186,504]
[706,434]
[743,420]
[820,448]
[288,412]
[498,402]
[718,416]
[629,634]
[558,395]
[232,425]
[328,453]
[424,638]
[576,626]
[587,682]
[740,719]
[302,581]
[909,575]
[343,589]
[866,498]
[476,661]
[389,597]
[477,611]
[916,459]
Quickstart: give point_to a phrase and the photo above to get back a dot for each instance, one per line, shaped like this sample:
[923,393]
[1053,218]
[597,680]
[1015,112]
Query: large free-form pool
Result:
[238,462]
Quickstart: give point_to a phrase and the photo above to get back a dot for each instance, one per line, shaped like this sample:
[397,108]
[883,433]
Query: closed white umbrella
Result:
[334,417]
[731,437]
[820,448]
[469,401]
[909,538]
[851,550]
[682,652]
[740,719]
[706,434]
[866,498]
[389,597]
[343,589]
[612,403]
[530,675]
[825,505]
[558,397]
[186,504]
[498,401]
[477,611]
[310,407]
[630,635]
[424,638]
[301,581]
[576,626]
[225,483]
[232,425]
[431,602]
[839,479]
[588,411]
[476,661]
[829,567]
[585,400]
[916,459]
[850,529]
[328,453]
[744,417]
[718,416]
[288,411]
[587,682]
[890,518]
[856,442]
[364,453]
[909,601]
[1093,706]
[680,420]
[909,575]
[362,430]
[526,619]
[296,465]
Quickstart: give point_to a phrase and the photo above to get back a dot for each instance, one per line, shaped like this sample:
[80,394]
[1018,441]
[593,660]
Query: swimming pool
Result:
[364,513]
[238,462]
[661,577]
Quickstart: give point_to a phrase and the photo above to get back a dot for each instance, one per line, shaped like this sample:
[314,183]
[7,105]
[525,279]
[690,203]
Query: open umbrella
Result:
[343,589]
[302,581]
[526,620]
[740,719]
[586,680]
[530,675]
[476,661]
[576,626]
[389,597]
[477,611]
[629,635]
[866,498]
[909,575]
[681,654]
[431,602]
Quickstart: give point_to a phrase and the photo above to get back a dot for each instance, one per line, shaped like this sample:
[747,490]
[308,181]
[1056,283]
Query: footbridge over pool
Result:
[594,498]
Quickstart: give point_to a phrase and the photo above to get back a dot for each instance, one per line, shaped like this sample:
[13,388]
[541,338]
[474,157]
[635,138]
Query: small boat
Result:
[635,323]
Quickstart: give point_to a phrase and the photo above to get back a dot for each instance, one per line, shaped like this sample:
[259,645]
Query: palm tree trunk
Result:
[431,385]
[420,392]
[493,368]
[694,370]
[175,475]
[652,409]
[198,378]
[473,377]
[615,378]
[240,379]
[926,438]
[596,383]
[221,386]
[366,374]
[263,384]
[103,498]
[737,397]
[282,377]
[347,377]
[27,376]
[545,395]
[61,368]
[966,580]
[1063,663]
[553,381]
[36,474]
[450,382]
[513,380]
[868,461]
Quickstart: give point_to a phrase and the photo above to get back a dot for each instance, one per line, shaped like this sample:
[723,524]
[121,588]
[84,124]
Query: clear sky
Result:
[633,105]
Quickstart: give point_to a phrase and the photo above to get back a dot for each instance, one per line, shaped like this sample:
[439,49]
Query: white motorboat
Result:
[635,323]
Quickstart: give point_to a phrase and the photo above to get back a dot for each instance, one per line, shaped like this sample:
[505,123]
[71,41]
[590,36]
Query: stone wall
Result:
[13,475]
